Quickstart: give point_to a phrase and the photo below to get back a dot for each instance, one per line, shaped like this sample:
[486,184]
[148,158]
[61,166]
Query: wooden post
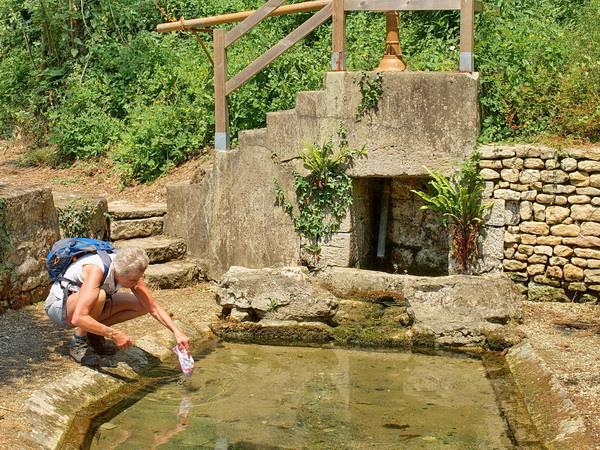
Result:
[338,54]
[467,23]
[221,113]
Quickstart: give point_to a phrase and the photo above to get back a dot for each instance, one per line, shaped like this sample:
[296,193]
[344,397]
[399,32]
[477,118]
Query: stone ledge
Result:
[52,411]
[555,416]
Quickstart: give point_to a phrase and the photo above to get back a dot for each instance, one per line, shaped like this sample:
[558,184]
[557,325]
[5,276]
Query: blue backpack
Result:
[66,251]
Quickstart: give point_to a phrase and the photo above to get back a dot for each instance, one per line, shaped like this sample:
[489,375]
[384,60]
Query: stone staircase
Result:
[142,226]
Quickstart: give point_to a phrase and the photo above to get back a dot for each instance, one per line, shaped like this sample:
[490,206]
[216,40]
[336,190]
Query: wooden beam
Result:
[284,44]
[238,17]
[401,5]
[220,69]
[338,53]
[251,21]
[467,23]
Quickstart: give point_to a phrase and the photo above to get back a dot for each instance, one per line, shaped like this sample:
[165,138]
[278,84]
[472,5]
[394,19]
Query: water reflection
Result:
[251,397]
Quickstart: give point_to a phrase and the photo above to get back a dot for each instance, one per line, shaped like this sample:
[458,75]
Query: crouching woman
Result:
[94,303]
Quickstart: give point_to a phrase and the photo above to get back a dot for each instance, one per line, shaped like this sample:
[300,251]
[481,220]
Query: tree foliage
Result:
[93,78]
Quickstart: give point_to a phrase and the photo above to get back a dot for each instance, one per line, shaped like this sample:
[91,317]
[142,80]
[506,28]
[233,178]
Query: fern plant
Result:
[458,199]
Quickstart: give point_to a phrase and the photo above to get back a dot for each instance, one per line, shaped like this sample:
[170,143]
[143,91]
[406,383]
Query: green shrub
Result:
[158,137]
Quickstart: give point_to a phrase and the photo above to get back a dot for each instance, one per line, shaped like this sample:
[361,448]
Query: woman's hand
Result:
[121,339]
[182,340]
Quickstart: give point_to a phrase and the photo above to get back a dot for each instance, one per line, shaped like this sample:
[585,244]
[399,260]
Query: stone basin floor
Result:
[33,352]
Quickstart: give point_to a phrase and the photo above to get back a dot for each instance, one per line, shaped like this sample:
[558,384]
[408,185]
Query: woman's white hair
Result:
[131,261]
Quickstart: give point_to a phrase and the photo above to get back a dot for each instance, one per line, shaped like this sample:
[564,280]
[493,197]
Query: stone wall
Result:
[28,228]
[230,216]
[544,226]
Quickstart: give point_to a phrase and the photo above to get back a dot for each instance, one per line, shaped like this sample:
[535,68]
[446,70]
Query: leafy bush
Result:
[82,74]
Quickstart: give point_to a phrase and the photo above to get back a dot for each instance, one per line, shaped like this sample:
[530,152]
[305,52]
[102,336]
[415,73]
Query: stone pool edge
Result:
[555,416]
[52,410]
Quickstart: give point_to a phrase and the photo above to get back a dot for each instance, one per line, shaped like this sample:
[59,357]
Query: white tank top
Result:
[75,273]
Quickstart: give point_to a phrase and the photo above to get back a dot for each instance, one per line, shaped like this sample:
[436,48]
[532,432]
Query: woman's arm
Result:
[143,294]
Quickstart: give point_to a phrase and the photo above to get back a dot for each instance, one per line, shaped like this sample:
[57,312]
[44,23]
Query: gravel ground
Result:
[33,352]
[573,355]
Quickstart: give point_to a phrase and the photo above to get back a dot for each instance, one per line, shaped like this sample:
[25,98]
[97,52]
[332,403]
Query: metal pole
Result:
[392,59]
[221,113]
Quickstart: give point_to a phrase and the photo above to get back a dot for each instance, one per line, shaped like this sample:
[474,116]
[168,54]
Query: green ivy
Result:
[371,91]
[324,196]
[5,268]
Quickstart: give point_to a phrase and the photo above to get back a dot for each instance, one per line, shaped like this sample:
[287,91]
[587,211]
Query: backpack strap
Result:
[106,262]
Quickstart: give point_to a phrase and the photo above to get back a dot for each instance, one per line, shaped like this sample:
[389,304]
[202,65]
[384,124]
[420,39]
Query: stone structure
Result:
[28,228]
[544,226]
[230,217]
[92,209]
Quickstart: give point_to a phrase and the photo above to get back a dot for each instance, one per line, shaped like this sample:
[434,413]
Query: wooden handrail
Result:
[278,49]
[184,25]
[326,9]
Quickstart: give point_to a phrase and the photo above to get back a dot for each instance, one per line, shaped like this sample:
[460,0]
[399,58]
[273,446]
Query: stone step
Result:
[308,102]
[159,248]
[136,228]
[173,274]
[122,209]
[253,137]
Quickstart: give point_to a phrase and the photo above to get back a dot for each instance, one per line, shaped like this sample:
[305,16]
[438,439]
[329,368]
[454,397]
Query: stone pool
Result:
[264,397]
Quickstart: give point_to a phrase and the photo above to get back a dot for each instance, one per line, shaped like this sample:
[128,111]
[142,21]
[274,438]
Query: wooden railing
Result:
[336,9]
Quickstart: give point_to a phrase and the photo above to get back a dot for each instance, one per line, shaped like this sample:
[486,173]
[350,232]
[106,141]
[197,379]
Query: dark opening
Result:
[415,241]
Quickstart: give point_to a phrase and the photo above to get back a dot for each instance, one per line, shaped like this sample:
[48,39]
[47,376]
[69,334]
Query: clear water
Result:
[261,397]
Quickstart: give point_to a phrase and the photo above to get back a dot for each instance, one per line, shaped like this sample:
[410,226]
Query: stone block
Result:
[519,187]
[587,253]
[510,175]
[595,180]
[528,239]
[579,262]
[582,241]
[533,163]
[591,191]
[592,153]
[526,249]
[495,216]
[526,151]
[549,199]
[554,272]
[503,184]
[549,240]
[512,265]
[558,189]
[513,163]
[489,174]
[554,176]
[585,213]
[557,261]
[546,280]
[511,213]
[579,199]
[92,210]
[579,179]
[536,269]
[490,164]
[529,176]
[577,287]
[592,263]
[596,201]
[556,214]
[507,194]
[537,259]
[537,228]
[510,238]
[590,229]
[589,166]
[565,230]
[552,164]
[492,152]
[526,210]
[563,251]
[543,250]
[592,275]
[572,273]
[540,293]
[529,195]
[521,256]
[568,164]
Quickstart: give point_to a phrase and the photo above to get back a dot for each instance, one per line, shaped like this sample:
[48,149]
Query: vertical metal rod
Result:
[467,23]
[222,138]
[383,220]
[338,53]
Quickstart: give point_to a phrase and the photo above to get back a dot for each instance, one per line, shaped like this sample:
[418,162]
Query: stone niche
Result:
[415,241]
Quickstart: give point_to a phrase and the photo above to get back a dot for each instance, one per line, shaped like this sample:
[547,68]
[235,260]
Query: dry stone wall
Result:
[546,203]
